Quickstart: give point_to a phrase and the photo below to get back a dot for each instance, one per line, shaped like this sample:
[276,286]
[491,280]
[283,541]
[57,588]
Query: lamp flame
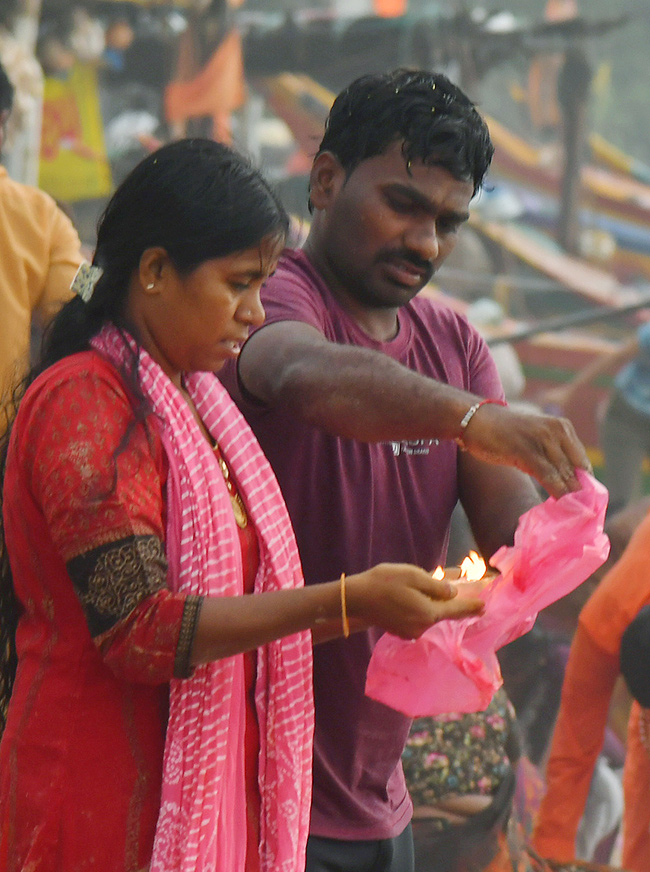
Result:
[438,574]
[473,567]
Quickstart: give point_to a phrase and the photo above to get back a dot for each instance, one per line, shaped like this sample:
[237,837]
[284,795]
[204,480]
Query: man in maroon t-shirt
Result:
[359,391]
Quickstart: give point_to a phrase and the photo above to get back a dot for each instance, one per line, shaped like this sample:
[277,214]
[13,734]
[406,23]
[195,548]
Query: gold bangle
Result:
[344,611]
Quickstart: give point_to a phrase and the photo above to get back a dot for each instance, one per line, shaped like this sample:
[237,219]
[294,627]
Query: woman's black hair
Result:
[198,200]
[436,122]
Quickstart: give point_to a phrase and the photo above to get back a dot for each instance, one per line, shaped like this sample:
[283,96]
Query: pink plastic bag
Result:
[453,666]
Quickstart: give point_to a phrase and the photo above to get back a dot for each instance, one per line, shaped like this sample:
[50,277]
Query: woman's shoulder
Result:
[77,387]
[73,372]
[82,400]
[78,367]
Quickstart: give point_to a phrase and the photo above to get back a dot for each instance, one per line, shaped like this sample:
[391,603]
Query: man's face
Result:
[387,230]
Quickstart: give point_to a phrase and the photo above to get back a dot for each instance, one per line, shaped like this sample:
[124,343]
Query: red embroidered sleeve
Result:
[98,477]
[153,642]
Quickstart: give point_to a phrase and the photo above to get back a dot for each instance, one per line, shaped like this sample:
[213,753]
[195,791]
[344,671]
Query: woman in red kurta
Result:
[86,722]
[73,416]
[138,512]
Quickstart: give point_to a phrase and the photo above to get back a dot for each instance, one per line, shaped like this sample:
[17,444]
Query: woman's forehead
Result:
[259,257]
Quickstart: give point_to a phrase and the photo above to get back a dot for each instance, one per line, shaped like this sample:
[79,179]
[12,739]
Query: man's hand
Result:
[543,446]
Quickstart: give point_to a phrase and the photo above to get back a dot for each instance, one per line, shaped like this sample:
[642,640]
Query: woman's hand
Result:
[397,597]
[404,600]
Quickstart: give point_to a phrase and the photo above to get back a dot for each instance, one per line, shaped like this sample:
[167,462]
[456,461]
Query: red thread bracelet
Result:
[469,414]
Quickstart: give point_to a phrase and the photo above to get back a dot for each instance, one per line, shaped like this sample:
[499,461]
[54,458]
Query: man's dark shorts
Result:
[381,855]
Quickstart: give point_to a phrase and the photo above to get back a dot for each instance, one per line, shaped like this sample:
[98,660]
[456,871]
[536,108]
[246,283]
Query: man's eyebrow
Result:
[422,201]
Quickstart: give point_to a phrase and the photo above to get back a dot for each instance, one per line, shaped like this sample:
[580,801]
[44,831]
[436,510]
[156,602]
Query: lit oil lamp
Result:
[470,578]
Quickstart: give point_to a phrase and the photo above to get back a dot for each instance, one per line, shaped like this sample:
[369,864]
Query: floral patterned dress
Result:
[460,754]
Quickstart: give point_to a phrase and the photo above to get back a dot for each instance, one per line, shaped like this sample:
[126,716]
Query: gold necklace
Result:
[238,506]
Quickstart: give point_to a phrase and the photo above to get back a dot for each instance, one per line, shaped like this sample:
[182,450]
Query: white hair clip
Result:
[83,284]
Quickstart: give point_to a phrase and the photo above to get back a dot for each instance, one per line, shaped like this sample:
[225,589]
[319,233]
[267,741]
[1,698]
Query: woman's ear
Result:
[325,180]
[153,267]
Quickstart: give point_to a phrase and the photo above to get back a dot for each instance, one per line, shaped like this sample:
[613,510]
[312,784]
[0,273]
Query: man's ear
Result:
[325,180]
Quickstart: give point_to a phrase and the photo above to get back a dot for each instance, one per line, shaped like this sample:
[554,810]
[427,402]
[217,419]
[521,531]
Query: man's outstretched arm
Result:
[363,394]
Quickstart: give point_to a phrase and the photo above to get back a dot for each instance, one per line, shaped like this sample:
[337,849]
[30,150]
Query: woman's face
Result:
[198,321]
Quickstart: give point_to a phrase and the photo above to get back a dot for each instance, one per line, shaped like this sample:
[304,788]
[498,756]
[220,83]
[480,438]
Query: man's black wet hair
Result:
[6,91]
[635,657]
[437,122]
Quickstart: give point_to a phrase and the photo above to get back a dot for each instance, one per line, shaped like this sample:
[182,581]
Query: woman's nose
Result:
[251,310]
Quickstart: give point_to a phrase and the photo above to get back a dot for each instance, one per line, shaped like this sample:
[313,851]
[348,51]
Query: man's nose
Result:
[422,239]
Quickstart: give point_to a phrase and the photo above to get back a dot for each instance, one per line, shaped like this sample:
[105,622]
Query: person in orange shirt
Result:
[40,253]
[592,670]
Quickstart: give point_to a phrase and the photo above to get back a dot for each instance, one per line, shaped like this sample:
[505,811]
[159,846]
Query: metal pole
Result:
[562,322]
[573,95]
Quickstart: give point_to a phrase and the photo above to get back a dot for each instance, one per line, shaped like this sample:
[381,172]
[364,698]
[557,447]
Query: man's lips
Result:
[406,272]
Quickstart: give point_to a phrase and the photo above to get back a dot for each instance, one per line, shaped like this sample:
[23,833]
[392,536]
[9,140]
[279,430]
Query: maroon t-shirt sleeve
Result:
[484,377]
[446,346]
[286,298]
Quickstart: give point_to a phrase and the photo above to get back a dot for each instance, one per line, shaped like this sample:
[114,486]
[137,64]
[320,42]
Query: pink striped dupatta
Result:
[202,821]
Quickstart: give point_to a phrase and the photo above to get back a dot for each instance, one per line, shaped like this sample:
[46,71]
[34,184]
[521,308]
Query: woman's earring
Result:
[150,286]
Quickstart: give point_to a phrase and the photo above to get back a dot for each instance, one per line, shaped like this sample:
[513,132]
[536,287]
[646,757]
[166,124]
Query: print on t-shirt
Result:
[412,446]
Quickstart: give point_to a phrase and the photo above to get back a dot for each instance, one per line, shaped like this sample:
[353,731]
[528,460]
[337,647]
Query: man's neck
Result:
[380,324]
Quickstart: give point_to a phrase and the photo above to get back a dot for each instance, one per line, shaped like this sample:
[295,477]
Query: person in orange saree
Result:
[591,673]
[154,626]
